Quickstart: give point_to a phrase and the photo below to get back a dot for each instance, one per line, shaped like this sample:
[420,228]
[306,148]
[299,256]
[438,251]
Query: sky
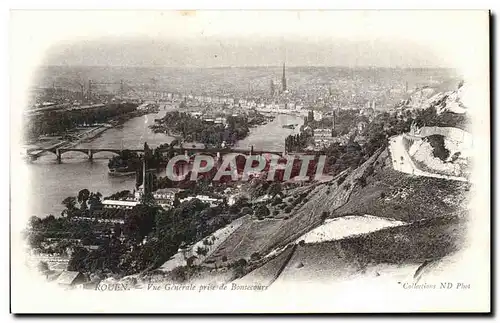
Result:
[249,38]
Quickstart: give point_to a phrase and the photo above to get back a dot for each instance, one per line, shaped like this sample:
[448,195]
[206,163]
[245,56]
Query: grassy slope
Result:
[267,273]
[392,194]
[431,204]
[393,247]
[433,207]
[266,235]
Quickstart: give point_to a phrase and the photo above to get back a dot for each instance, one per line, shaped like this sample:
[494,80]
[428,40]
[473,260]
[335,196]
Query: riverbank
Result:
[52,182]
[82,135]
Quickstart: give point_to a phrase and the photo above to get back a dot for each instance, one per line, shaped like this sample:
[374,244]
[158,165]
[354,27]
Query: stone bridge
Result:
[34,153]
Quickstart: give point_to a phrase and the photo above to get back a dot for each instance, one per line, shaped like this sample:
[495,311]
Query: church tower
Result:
[333,119]
[147,176]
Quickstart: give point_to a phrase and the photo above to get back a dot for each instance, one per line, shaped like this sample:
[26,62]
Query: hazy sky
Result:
[251,38]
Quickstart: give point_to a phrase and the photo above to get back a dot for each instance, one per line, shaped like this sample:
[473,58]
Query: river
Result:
[51,182]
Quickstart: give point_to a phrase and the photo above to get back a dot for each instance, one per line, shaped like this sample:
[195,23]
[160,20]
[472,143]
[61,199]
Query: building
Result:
[323,133]
[283,79]
[165,197]
[193,145]
[143,106]
[323,137]
[116,204]
[205,199]
[220,120]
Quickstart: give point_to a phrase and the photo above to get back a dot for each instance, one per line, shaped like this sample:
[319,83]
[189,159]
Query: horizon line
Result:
[252,66]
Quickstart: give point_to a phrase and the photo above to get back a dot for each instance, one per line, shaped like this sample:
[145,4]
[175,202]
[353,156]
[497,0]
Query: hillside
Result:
[380,252]
[443,99]
[383,217]
[391,194]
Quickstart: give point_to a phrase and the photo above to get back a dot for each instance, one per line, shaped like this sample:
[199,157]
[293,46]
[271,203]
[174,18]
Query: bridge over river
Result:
[34,153]
[50,182]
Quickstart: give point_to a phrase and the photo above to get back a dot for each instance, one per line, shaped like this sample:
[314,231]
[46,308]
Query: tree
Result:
[78,261]
[34,221]
[131,227]
[362,181]
[118,195]
[246,210]
[202,251]
[262,212]
[70,203]
[274,189]
[148,199]
[83,196]
[95,201]
[255,256]
[176,202]
[35,240]
[43,267]
[277,200]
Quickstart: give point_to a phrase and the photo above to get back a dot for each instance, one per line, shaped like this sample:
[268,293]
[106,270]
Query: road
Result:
[402,162]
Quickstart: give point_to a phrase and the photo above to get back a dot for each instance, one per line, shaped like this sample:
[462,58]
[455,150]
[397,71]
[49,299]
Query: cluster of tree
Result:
[148,237]
[255,118]
[430,118]
[345,121]
[118,195]
[238,206]
[297,142]
[262,212]
[62,231]
[129,161]
[85,202]
[293,202]
[151,236]
[353,154]
[197,130]
[260,187]
[60,121]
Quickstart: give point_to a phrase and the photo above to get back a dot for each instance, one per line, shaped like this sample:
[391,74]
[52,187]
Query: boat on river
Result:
[121,171]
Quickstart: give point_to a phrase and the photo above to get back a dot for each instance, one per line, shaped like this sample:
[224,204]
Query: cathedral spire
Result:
[283,79]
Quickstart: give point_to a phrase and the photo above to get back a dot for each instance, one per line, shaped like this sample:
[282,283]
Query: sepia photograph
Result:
[280,161]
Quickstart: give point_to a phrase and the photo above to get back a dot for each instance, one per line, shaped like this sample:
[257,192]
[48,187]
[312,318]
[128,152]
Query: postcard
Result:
[293,161]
